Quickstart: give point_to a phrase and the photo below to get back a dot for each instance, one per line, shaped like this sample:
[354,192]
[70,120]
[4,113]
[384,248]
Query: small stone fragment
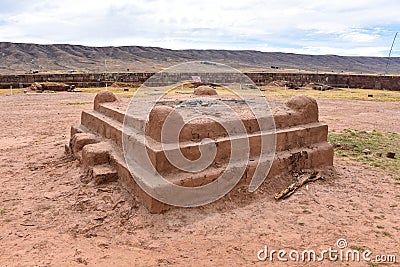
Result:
[366,151]
[390,155]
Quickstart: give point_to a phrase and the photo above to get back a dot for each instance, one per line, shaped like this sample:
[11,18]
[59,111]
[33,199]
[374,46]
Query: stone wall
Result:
[79,80]
[335,80]
[99,79]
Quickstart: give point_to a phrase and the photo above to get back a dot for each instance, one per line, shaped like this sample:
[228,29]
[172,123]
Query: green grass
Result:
[375,141]
[78,103]
[337,93]
[386,233]
[359,248]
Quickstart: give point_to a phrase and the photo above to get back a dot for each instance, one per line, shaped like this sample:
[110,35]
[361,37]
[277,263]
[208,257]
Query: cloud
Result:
[334,27]
[359,37]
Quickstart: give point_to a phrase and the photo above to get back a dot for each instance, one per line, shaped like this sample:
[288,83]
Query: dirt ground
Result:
[48,217]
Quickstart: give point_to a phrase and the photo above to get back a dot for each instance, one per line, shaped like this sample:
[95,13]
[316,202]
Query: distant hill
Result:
[19,58]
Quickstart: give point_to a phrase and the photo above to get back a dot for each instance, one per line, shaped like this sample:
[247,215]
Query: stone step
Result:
[79,141]
[284,161]
[286,139]
[110,111]
[78,129]
[104,173]
[96,154]
[316,156]
[300,135]
[301,143]
[289,138]
[102,125]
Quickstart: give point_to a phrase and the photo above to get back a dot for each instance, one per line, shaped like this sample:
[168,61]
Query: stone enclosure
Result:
[301,142]
[260,78]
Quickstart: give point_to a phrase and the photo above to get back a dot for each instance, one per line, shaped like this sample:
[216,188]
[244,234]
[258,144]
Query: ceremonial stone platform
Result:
[301,141]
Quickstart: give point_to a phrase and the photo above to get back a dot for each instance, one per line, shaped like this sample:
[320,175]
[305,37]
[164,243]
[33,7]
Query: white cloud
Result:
[359,37]
[357,27]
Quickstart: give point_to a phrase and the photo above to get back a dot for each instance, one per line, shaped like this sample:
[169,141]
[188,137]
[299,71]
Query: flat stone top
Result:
[296,111]
[193,101]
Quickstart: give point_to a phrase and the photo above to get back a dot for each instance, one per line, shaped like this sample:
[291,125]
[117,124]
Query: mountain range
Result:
[20,58]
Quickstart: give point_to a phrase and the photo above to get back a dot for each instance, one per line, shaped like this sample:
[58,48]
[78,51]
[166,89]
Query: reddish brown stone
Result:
[301,144]
[103,97]
[205,90]
[157,117]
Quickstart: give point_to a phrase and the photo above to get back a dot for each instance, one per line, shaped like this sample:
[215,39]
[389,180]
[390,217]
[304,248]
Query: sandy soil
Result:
[48,217]
[360,115]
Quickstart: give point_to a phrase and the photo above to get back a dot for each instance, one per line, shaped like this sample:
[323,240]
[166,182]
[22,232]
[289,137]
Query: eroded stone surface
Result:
[205,90]
[306,105]
[79,140]
[301,140]
[103,97]
[157,118]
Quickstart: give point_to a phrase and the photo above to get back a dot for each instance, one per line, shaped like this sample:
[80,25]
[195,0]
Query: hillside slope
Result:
[17,58]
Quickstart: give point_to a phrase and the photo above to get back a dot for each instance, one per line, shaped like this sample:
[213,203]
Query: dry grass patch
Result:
[337,93]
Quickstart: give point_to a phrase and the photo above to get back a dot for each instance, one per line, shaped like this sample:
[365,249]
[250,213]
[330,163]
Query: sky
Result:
[340,27]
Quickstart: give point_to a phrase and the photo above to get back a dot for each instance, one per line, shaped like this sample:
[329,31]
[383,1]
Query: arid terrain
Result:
[20,58]
[49,217]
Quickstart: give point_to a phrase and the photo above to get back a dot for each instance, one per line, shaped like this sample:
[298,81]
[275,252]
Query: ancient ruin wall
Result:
[261,78]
